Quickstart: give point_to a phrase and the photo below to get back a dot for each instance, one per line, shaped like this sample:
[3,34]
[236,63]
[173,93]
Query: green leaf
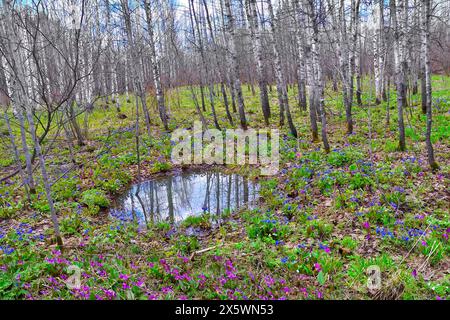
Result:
[321,278]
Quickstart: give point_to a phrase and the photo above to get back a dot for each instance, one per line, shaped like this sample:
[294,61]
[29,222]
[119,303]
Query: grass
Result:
[323,221]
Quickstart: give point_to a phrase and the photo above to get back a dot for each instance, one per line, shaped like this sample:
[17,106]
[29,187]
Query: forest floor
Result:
[320,226]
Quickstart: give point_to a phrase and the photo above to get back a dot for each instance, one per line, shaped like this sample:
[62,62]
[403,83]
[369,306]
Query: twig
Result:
[203,250]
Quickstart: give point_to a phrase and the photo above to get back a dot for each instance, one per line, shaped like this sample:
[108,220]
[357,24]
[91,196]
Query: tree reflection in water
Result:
[173,198]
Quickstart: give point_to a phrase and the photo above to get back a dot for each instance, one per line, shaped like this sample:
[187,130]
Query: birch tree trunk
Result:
[317,92]
[135,63]
[228,60]
[345,65]
[252,16]
[379,51]
[155,67]
[354,28]
[17,156]
[397,12]
[205,66]
[26,152]
[218,66]
[425,54]
[423,88]
[197,64]
[230,27]
[281,82]
[301,67]
[14,89]
[311,68]
[358,68]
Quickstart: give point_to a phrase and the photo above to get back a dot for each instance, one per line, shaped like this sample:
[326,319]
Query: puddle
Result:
[175,197]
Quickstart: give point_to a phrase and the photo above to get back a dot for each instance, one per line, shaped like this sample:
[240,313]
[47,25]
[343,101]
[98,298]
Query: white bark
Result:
[281,82]
[230,26]
[23,99]
[258,56]
[397,15]
[155,67]
[425,54]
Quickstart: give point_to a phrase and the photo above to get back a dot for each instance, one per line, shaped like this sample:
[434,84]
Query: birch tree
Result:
[257,49]
[301,57]
[379,50]
[398,9]
[280,79]
[22,100]
[155,67]
[236,82]
[425,54]
[135,63]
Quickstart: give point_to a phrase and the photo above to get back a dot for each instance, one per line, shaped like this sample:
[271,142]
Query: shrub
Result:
[338,159]
[94,197]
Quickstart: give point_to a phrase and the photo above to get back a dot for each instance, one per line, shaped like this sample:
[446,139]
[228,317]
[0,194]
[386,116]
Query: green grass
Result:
[324,219]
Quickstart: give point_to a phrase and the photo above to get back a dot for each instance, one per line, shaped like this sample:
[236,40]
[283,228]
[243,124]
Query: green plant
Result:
[186,244]
[66,188]
[267,228]
[349,243]
[318,229]
[202,220]
[338,158]
[72,224]
[95,197]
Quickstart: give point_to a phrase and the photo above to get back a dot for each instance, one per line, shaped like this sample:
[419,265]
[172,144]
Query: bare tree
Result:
[398,12]
[135,63]
[230,26]
[257,47]
[155,67]
[281,83]
[425,54]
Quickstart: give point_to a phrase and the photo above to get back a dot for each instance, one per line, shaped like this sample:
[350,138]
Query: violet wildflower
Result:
[139,283]
[124,277]
[222,281]
[325,248]
[304,291]
[166,290]
[269,281]
[110,294]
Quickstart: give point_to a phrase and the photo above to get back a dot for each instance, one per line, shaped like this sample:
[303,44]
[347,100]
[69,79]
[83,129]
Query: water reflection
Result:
[173,198]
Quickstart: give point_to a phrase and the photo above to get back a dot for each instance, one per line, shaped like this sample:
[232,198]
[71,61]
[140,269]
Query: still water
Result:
[175,197]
